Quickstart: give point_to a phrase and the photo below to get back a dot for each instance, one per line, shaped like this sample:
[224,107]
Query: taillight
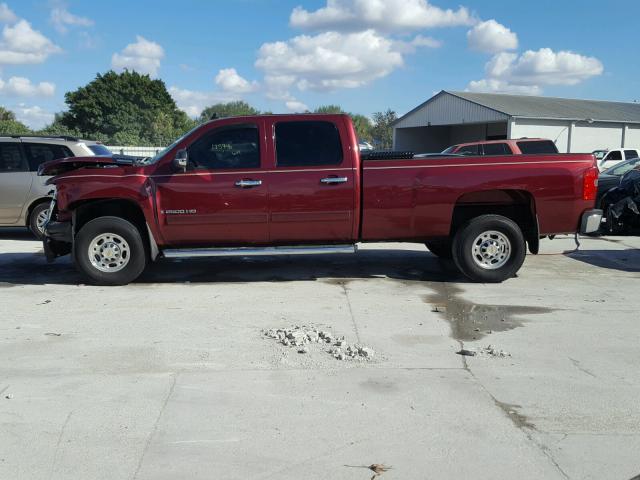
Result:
[590,184]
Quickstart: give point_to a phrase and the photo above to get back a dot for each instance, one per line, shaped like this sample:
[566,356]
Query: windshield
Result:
[162,153]
[623,168]
[450,149]
[599,154]
[100,150]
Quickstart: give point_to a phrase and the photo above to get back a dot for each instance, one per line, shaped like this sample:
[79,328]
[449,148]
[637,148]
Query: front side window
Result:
[469,150]
[497,149]
[307,144]
[615,155]
[39,153]
[11,158]
[237,146]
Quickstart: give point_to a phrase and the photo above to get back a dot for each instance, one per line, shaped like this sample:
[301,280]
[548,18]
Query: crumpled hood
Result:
[64,165]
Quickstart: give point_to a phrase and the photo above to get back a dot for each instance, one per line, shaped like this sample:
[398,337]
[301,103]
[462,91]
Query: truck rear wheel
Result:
[489,249]
[110,251]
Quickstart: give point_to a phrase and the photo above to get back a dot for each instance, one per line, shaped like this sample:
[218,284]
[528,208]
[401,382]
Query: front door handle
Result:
[334,180]
[248,183]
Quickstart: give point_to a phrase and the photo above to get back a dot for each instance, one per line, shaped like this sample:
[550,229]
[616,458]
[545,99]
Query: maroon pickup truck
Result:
[297,184]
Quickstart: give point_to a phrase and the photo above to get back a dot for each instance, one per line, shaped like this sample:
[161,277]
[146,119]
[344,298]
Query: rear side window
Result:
[307,144]
[629,154]
[615,155]
[39,153]
[497,149]
[469,150]
[11,158]
[227,147]
[538,147]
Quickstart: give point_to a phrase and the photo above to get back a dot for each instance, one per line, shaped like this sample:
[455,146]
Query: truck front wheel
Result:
[489,249]
[110,251]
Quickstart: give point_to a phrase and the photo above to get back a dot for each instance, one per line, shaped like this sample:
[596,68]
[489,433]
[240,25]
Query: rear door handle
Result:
[334,180]
[248,183]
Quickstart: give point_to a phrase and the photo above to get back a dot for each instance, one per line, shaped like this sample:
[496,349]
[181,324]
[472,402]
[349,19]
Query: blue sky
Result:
[290,55]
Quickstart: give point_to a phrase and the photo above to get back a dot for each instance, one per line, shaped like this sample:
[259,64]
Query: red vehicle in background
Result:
[521,146]
[297,184]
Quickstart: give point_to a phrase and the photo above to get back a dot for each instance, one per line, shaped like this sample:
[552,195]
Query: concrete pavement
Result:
[171,377]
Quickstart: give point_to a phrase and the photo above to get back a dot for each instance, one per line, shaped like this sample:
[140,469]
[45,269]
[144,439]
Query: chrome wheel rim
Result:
[41,220]
[491,250]
[109,252]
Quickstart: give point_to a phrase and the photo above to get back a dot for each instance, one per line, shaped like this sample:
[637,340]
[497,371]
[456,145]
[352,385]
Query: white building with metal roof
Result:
[576,126]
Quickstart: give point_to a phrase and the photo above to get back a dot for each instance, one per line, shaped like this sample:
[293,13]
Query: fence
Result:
[135,151]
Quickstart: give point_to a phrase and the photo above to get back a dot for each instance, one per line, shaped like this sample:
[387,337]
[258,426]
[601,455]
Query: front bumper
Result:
[591,220]
[58,239]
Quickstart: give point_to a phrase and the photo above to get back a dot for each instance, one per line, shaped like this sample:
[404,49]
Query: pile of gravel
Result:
[304,338]
[488,351]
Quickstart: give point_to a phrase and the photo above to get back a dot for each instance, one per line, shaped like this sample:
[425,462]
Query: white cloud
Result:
[491,37]
[329,60]
[61,19]
[21,44]
[34,117]
[22,87]
[229,80]
[143,56]
[381,15]
[534,69]
[193,101]
[6,14]
[296,106]
[419,41]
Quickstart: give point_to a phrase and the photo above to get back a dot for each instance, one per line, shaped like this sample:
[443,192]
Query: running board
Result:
[258,251]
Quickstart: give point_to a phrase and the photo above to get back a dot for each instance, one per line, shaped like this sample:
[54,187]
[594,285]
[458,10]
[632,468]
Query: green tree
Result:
[333,109]
[361,123]
[128,106]
[9,125]
[363,126]
[57,128]
[382,130]
[229,109]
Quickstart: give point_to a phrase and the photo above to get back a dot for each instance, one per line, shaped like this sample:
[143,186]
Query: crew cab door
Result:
[222,197]
[312,190]
[15,181]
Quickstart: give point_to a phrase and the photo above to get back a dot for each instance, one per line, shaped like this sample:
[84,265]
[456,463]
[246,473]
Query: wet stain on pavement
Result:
[472,321]
[379,386]
[512,411]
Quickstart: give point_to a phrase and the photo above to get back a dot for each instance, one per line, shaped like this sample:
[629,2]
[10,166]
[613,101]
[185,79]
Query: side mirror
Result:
[181,160]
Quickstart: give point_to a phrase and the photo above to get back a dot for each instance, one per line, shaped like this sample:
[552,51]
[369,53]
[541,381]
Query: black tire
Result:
[501,265]
[440,248]
[34,223]
[117,235]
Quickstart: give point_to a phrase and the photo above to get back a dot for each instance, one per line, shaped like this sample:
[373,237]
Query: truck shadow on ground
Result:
[621,260]
[405,265]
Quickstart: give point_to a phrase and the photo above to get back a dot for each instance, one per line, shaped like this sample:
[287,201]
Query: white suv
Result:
[24,197]
[609,158]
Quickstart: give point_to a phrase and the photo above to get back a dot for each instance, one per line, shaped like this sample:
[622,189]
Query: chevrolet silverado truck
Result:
[298,184]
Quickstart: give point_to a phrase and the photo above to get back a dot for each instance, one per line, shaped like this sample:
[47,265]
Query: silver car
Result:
[24,197]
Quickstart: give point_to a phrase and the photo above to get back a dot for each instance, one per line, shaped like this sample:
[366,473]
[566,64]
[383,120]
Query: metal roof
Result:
[525,106]
[550,107]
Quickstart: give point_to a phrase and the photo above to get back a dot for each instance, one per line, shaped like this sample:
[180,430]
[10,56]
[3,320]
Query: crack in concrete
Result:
[579,366]
[155,426]
[520,421]
[57,449]
[353,318]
